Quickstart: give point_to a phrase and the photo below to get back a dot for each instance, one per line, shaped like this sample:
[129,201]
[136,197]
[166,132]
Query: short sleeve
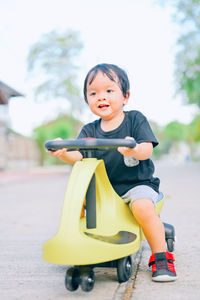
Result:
[85,132]
[82,134]
[143,132]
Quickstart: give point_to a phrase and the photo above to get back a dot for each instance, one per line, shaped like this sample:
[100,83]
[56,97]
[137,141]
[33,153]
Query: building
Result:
[16,151]
[7,92]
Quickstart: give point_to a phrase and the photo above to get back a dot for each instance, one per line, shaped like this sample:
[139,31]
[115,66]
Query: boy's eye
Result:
[93,94]
[109,91]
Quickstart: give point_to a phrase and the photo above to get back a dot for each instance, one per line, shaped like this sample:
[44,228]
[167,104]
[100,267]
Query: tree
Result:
[65,127]
[175,131]
[194,130]
[187,73]
[53,58]
[164,144]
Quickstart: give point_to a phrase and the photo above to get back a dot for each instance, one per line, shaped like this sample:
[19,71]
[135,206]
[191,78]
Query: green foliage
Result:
[162,149]
[188,56]
[187,72]
[65,127]
[190,81]
[52,60]
[194,130]
[175,131]
[186,13]
[167,136]
[163,146]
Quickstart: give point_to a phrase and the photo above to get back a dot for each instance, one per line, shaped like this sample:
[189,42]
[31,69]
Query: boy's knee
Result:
[143,208]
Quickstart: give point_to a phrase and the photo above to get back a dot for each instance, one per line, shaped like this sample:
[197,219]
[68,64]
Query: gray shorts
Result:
[140,192]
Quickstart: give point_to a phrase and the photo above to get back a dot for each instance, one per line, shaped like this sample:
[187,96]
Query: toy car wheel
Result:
[170,245]
[72,279]
[124,268]
[87,279]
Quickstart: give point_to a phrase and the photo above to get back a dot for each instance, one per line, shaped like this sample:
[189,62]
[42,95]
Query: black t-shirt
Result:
[123,177]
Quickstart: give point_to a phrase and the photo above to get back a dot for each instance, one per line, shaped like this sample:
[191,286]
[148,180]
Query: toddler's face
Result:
[105,96]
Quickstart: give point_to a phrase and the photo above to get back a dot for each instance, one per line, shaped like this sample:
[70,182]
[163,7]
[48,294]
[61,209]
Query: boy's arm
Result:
[69,157]
[141,151]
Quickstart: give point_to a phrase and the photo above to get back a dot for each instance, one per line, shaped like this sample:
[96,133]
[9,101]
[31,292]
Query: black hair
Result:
[108,69]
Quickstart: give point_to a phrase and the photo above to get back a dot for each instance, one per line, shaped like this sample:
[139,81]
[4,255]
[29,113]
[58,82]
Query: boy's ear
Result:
[126,98]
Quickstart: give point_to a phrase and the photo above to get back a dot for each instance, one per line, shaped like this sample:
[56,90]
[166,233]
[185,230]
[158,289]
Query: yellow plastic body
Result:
[74,244]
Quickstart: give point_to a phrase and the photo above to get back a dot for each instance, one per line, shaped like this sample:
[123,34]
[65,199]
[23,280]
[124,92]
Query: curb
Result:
[125,290]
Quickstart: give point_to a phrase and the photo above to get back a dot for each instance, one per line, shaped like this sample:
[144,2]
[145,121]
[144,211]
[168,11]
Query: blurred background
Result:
[47,47]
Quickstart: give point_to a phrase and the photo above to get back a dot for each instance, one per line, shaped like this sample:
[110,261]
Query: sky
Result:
[139,36]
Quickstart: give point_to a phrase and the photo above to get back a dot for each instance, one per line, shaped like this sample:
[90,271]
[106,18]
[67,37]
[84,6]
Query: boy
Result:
[130,170]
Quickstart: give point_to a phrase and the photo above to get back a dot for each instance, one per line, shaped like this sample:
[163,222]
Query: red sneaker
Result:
[162,266]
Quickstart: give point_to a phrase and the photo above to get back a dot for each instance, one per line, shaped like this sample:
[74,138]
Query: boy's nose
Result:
[102,96]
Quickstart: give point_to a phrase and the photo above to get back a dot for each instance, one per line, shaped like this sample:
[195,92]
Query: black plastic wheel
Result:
[170,245]
[87,279]
[72,279]
[124,268]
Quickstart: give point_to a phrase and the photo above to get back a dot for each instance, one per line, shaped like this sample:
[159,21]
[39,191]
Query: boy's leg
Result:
[83,208]
[162,262]
[153,228]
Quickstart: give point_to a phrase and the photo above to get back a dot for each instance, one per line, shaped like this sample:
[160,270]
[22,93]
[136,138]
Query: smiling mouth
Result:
[103,106]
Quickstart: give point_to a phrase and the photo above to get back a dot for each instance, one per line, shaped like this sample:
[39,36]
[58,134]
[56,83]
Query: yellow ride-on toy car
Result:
[107,234]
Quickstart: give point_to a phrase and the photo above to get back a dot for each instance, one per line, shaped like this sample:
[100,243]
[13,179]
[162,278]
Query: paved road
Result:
[30,210]
[182,209]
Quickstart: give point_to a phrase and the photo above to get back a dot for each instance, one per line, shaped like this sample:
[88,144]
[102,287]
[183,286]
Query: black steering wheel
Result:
[89,144]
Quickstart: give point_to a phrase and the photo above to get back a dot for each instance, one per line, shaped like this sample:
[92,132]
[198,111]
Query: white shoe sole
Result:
[164,278]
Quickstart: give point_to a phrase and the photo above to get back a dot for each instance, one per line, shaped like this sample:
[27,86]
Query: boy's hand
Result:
[126,151]
[141,151]
[58,152]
